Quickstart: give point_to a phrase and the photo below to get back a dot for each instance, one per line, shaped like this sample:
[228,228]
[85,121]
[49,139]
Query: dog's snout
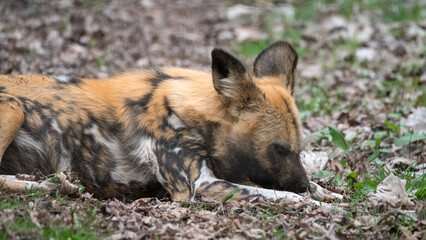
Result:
[303,186]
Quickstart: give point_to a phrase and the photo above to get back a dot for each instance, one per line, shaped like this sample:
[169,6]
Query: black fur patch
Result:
[142,102]
[8,99]
[247,165]
[139,106]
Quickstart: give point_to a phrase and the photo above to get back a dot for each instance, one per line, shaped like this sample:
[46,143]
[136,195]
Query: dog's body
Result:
[185,132]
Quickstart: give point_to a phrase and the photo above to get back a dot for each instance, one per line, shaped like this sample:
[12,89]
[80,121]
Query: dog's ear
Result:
[230,79]
[277,60]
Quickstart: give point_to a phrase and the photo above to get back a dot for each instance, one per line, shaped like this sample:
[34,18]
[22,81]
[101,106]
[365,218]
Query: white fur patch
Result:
[272,194]
[229,87]
[197,136]
[175,122]
[91,173]
[24,140]
[64,79]
[184,175]
[111,143]
[139,166]
[177,150]
[206,176]
[64,159]
[55,126]
[145,150]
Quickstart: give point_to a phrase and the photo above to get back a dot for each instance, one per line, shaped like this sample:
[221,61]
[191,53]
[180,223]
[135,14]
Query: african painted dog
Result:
[168,130]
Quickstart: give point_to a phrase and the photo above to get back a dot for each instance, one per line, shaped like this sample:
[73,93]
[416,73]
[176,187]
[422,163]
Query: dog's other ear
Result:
[277,60]
[230,78]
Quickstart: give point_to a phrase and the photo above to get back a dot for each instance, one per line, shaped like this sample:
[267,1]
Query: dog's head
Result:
[262,144]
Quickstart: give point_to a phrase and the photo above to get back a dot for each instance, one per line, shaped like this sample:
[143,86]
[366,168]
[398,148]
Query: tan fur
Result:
[13,117]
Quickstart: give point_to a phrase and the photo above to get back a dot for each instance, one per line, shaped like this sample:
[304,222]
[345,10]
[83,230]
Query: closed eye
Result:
[281,150]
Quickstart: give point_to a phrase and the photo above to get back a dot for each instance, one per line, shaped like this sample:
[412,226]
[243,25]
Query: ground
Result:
[360,90]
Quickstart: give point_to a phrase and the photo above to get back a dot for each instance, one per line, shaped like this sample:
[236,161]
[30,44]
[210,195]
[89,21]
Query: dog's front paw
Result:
[317,192]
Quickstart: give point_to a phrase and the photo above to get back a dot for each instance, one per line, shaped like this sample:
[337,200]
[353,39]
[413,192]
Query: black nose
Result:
[302,186]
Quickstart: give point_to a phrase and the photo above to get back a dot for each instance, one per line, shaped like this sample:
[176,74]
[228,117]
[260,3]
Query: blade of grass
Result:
[338,139]
[230,195]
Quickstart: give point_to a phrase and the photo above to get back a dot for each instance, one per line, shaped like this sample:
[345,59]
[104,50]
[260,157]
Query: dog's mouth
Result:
[299,188]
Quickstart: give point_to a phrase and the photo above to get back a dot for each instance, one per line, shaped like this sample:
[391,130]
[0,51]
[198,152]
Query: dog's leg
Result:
[317,192]
[11,184]
[11,120]
[209,186]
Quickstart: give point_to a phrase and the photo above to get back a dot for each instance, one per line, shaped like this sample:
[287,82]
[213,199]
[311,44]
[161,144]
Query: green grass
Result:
[307,10]
[20,224]
[324,99]
[10,203]
[388,10]
[319,101]
[393,10]
[101,62]
[280,232]
[24,228]
[251,48]
[230,195]
[199,206]
[320,98]
[404,81]
[358,186]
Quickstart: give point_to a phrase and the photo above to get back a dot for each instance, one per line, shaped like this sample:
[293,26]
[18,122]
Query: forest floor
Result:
[360,89]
